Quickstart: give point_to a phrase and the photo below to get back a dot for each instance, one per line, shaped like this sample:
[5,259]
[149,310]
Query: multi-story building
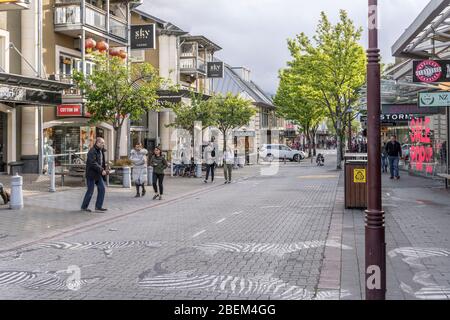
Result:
[181,58]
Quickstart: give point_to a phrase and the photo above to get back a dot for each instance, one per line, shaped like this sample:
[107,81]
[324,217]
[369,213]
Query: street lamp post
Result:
[374,230]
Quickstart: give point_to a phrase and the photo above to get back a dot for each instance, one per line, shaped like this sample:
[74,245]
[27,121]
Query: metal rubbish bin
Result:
[16,167]
[356,184]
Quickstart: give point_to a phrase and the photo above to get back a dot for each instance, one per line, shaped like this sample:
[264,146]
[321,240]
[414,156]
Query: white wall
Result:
[168,58]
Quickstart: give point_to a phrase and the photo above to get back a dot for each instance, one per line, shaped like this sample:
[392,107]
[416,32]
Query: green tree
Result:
[299,103]
[116,91]
[230,112]
[333,65]
[187,114]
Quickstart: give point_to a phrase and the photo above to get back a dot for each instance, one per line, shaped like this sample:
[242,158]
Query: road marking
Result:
[237,213]
[221,220]
[198,233]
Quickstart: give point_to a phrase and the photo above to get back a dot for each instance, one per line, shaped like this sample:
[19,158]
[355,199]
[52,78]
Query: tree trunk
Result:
[313,138]
[118,134]
[224,141]
[339,150]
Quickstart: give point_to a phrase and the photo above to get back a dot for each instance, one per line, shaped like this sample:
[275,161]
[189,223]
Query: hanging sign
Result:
[143,36]
[215,69]
[434,99]
[430,71]
[67,110]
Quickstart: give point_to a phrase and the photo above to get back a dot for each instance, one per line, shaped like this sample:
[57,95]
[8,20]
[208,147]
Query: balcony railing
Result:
[193,64]
[95,17]
[118,28]
[68,13]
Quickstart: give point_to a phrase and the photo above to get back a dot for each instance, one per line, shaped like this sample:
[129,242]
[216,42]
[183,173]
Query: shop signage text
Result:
[434,99]
[143,37]
[215,69]
[421,151]
[66,110]
[430,71]
[12,93]
[244,134]
[396,117]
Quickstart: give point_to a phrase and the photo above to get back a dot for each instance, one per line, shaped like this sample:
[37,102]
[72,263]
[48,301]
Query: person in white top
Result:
[138,157]
[209,156]
[228,161]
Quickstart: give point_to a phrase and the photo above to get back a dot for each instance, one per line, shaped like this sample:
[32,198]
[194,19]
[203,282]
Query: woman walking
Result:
[139,158]
[159,164]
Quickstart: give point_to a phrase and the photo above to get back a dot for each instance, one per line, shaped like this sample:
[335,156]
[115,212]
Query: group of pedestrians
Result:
[96,172]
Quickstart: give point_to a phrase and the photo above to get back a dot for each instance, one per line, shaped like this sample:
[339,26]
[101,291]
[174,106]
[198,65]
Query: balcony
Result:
[192,65]
[67,20]
[6,5]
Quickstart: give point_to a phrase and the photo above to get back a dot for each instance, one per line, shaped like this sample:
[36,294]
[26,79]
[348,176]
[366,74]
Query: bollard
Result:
[198,171]
[52,177]
[16,201]
[171,169]
[126,177]
[149,175]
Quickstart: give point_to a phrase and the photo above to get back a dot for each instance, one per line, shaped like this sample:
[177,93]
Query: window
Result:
[264,118]
[68,64]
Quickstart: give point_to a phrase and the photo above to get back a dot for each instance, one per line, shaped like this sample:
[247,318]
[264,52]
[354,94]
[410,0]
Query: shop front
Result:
[22,100]
[70,135]
[422,135]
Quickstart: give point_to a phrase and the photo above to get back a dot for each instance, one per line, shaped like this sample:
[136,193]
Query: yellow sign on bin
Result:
[359,176]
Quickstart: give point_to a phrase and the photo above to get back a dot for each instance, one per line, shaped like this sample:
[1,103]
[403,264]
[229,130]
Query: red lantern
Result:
[114,52]
[123,54]
[89,45]
[102,46]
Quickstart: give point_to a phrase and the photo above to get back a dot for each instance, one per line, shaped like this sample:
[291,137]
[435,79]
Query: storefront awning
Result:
[19,89]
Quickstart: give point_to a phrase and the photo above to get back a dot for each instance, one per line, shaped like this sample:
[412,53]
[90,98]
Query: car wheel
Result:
[269,158]
[297,157]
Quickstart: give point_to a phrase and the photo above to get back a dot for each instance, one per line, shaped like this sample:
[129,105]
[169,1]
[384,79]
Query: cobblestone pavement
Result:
[417,238]
[264,237]
[48,214]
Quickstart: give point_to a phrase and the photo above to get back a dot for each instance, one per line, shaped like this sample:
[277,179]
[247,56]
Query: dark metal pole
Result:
[375,230]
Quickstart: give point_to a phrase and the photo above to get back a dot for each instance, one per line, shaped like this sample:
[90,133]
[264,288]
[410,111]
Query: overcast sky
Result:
[253,33]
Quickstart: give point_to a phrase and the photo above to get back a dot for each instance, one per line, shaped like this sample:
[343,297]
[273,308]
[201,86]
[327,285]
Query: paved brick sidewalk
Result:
[417,237]
[47,214]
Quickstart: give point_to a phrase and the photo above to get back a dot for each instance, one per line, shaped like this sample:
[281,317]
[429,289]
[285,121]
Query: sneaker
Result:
[155,196]
[143,192]
[398,178]
[160,198]
[86,210]
[392,178]
[137,195]
[205,181]
[101,209]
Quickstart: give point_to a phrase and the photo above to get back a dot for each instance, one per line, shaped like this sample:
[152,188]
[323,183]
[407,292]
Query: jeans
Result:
[227,169]
[393,166]
[384,164]
[158,179]
[210,167]
[90,191]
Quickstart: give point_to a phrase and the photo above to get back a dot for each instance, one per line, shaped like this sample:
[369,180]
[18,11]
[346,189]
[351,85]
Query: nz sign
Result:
[215,69]
[434,99]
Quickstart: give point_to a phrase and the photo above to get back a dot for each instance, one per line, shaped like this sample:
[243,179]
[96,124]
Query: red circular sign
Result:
[428,71]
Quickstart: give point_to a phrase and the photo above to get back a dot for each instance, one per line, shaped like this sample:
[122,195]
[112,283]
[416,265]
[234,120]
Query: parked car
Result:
[270,152]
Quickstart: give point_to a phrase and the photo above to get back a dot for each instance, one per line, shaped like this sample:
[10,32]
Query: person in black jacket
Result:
[394,152]
[95,174]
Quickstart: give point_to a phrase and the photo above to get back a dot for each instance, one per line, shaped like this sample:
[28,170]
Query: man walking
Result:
[95,175]
[394,152]
[228,161]
[210,160]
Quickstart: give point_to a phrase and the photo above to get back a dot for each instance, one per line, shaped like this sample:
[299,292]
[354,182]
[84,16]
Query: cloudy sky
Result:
[253,33]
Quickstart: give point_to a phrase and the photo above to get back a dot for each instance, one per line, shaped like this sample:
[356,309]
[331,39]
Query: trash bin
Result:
[356,184]
[16,167]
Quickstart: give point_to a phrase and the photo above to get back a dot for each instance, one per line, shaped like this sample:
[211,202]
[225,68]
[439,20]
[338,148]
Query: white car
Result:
[269,152]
